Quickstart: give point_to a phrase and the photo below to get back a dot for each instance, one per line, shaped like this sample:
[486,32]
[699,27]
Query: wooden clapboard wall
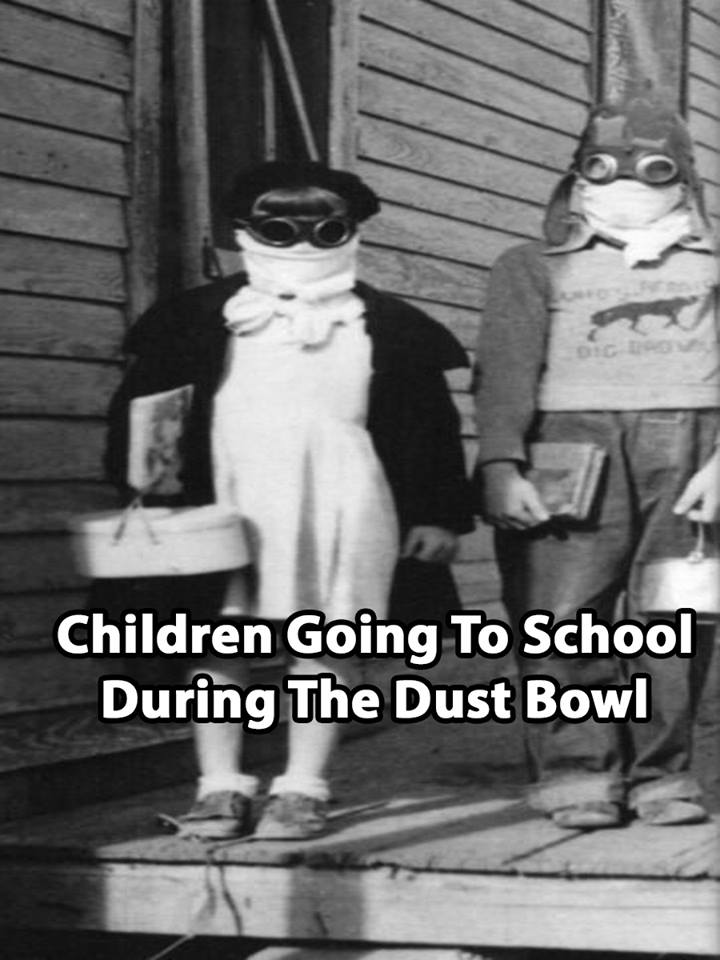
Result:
[65,76]
[704,97]
[468,111]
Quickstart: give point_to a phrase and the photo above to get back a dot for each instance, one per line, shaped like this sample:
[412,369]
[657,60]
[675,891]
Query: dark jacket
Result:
[411,419]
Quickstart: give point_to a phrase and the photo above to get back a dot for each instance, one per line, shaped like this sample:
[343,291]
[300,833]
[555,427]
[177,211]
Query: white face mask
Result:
[628,204]
[279,269]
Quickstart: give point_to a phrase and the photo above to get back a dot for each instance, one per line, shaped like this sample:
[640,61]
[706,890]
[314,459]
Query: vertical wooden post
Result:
[192,145]
[643,49]
[143,206]
[344,70]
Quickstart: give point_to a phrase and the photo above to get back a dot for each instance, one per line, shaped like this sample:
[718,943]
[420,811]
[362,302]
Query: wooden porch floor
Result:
[432,845]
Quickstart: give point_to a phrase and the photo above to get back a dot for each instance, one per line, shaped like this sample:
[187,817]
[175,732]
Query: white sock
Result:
[309,785]
[237,782]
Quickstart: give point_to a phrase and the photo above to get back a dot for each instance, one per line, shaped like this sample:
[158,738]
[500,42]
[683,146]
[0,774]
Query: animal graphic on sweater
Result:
[634,312]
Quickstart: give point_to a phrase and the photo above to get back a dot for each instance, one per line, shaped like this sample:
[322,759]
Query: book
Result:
[567,476]
[157,424]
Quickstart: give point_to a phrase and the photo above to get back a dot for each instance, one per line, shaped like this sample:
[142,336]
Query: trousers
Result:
[562,567]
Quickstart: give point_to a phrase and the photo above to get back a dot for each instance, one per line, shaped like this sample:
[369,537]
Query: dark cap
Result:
[275,175]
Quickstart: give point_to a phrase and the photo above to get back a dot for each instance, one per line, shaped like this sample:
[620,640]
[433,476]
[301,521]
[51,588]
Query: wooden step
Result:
[56,759]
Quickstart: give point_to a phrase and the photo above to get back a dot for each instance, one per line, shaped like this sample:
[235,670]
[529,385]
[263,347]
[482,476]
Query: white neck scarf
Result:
[309,287]
[646,220]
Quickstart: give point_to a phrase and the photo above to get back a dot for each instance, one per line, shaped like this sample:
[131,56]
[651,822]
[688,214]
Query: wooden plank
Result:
[56,268]
[43,210]
[704,32]
[37,562]
[34,386]
[379,905]
[479,43]
[58,102]
[191,110]
[638,851]
[61,328]
[113,15]
[577,12]
[422,152]
[705,65]
[704,129]
[437,236]
[143,211]
[52,450]
[708,8]
[708,163]
[27,619]
[45,42]
[70,159]
[46,507]
[343,94]
[421,276]
[440,70]
[520,20]
[394,99]
[43,679]
[358,953]
[703,96]
[70,759]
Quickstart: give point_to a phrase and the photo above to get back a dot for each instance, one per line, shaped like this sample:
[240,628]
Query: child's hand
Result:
[509,501]
[430,544]
[700,500]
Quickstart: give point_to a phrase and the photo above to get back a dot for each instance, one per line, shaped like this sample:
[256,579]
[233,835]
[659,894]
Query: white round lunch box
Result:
[159,541]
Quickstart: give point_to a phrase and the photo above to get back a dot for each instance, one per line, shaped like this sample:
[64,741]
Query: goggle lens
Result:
[654,169]
[287,231]
[599,167]
[332,232]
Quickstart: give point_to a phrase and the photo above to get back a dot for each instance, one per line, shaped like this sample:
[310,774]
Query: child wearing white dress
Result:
[323,418]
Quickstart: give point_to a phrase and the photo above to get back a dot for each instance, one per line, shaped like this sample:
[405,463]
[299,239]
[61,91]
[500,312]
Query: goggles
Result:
[287,231]
[654,169]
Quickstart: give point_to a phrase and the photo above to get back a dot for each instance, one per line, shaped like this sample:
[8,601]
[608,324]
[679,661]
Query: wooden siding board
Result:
[522,21]
[707,8]
[708,164]
[59,102]
[115,16]
[705,33]
[37,562]
[471,39]
[58,46]
[703,96]
[705,130]
[33,386]
[452,200]
[46,507]
[413,60]
[61,157]
[63,213]
[576,12]
[444,115]
[43,679]
[429,233]
[705,65]
[52,450]
[423,152]
[143,210]
[27,619]
[410,274]
[33,265]
[61,328]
